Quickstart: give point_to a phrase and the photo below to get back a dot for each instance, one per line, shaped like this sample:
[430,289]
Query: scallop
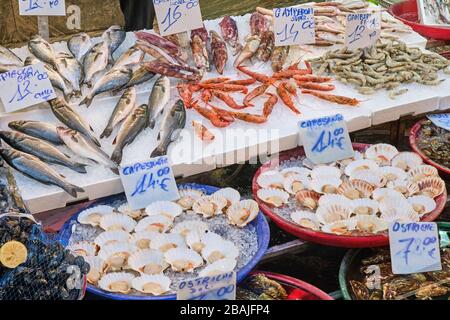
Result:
[183,260]
[231,195]
[345,162]
[422,204]
[381,193]
[295,183]
[381,153]
[370,224]
[358,165]
[242,213]
[155,223]
[143,239]
[188,197]
[117,221]
[355,189]
[209,206]
[308,198]
[331,198]
[273,179]
[120,282]
[152,284]
[218,267]
[406,160]
[194,240]
[373,177]
[275,197]
[93,215]
[326,185]
[97,267]
[305,219]
[132,213]
[185,227]
[431,187]
[389,202]
[421,172]
[400,214]
[333,212]
[83,249]
[148,262]
[165,208]
[217,250]
[165,242]
[364,206]
[404,187]
[325,172]
[304,172]
[342,227]
[393,173]
[116,255]
[111,237]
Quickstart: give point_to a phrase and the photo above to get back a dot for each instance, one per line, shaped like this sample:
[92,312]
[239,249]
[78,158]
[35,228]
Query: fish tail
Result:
[71,189]
[117,156]
[158,152]
[107,132]
[87,101]
[115,170]
[79,167]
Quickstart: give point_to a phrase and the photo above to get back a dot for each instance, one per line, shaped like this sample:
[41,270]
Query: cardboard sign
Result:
[178,16]
[218,287]
[149,181]
[441,120]
[362,29]
[42,7]
[326,139]
[414,247]
[294,25]
[25,87]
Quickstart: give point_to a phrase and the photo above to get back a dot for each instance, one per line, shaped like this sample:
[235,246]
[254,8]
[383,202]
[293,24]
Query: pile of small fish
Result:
[434,142]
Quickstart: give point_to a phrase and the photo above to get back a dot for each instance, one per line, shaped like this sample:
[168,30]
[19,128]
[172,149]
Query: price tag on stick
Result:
[414,247]
[326,139]
[42,7]
[362,29]
[294,25]
[441,120]
[149,181]
[25,87]
[177,16]
[218,287]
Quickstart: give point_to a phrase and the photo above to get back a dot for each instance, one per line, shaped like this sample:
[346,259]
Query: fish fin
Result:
[114,141]
[62,176]
[151,124]
[80,168]
[74,139]
[159,136]
[95,141]
[106,133]
[87,101]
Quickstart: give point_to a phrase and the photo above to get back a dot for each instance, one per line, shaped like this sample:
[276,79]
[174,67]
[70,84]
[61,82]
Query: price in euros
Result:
[149,181]
[329,139]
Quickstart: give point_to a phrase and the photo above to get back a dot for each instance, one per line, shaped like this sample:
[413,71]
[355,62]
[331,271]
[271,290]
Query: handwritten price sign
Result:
[175,16]
[326,139]
[294,25]
[362,29]
[149,181]
[25,87]
[219,287]
[42,7]
[414,247]
[441,120]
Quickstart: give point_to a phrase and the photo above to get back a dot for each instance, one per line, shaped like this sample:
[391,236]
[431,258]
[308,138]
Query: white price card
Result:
[326,139]
[294,25]
[362,29]
[217,287]
[25,87]
[42,7]
[149,181]
[175,16]
[441,120]
[414,247]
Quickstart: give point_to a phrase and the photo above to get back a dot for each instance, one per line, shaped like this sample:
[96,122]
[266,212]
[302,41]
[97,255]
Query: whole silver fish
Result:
[37,129]
[95,60]
[158,99]
[79,45]
[43,150]
[123,108]
[131,57]
[132,126]
[7,57]
[70,118]
[112,80]
[85,148]
[139,76]
[114,36]
[71,70]
[171,126]
[42,50]
[34,168]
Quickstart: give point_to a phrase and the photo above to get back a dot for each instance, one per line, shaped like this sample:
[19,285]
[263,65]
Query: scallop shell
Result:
[126,209]
[325,172]
[296,182]
[183,260]
[304,172]
[370,224]
[165,208]
[355,189]
[117,221]
[188,197]
[331,198]
[83,249]
[156,223]
[116,255]
[231,195]
[305,219]
[364,206]
[342,227]
[142,239]
[326,185]
[382,153]
[421,172]
[152,284]
[389,202]
[406,160]
[218,267]
[308,198]
[217,250]
[242,213]
[97,267]
[117,282]
[209,206]
[185,227]
[110,237]
[147,262]
[272,180]
[373,177]
[393,173]
[194,240]
[345,162]
[381,193]
[93,215]
[333,212]
[165,242]
[275,197]
[422,204]
[432,186]
[398,214]
[362,164]
[404,187]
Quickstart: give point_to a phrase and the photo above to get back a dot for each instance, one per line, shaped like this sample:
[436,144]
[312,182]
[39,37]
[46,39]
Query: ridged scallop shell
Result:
[325,172]
[156,223]
[185,227]
[116,255]
[373,177]
[362,164]
[231,195]
[333,212]
[389,202]
[326,185]
[381,153]
[165,208]
[370,224]
[305,219]
[406,160]
[117,221]
[188,197]
[422,204]
[421,172]
[152,284]
[209,206]
[398,214]
[148,262]
[345,162]
[404,187]
[183,260]
[275,197]
[132,213]
[342,227]
[142,239]
[117,282]
[381,193]
[295,183]
[355,189]
[364,206]
[83,249]
[217,250]
[331,198]
[97,267]
[194,240]
[93,215]
[304,172]
[165,242]
[218,267]
[432,186]
[242,213]
[272,180]
[308,198]
[393,173]
[110,237]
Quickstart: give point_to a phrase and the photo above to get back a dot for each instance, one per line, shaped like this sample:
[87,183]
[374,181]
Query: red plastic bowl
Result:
[322,237]
[413,138]
[406,11]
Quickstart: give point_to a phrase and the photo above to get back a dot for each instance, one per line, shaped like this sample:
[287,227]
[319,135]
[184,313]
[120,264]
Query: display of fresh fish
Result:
[64,113]
[112,80]
[34,168]
[43,150]
[42,50]
[279,57]
[114,36]
[258,24]
[160,42]
[172,70]
[79,45]
[85,148]
[71,70]
[7,57]
[230,33]
[123,108]
[265,50]
[37,129]
[200,53]
[158,99]
[95,60]
[173,122]
[130,57]
[139,76]
[250,48]
[132,126]
[219,51]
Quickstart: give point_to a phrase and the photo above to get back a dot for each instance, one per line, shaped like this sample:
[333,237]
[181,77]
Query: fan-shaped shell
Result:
[218,267]
[305,219]
[326,185]
[194,240]
[404,187]
[217,250]
[231,195]
[142,239]
[331,198]
[165,208]
[406,160]
[333,212]
[364,206]
[110,237]
[116,255]
[165,242]
[242,213]
[152,284]
[324,171]
[210,206]
[431,186]
[421,172]
[355,189]
[308,198]
[155,223]
[422,204]
[370,224]
[117,221]
[393,173]
[342,227]
[183,260]
[275,197]
[373,177]
[126,209]
[381,153]
[188,197]
[381,193]
[185,227]
[389,202]
[147,262]
[96,268]
[117,282]
[358,165]
[93,215]
[271,180]
[295,183]
[398,214]
[83,249]
[304,172]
